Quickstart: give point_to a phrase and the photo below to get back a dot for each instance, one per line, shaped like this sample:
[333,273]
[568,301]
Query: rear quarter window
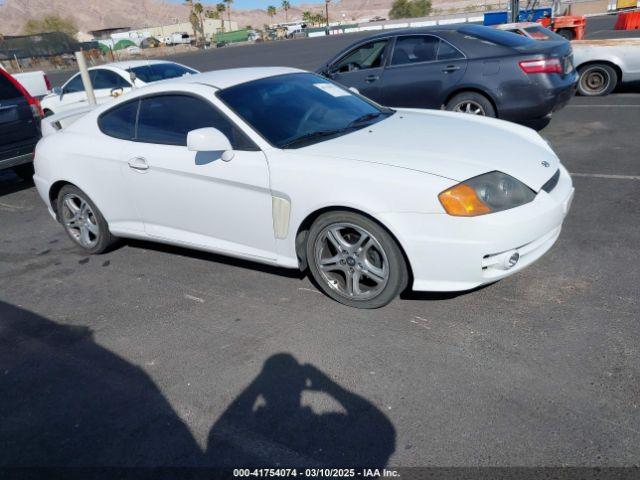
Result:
[8,90]
[120,122]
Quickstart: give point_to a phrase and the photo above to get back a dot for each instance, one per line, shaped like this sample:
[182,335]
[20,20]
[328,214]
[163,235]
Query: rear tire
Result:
[355,261]
[597,80]
[472,103]
[82,221]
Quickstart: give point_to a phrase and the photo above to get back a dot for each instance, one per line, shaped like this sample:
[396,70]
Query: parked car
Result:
[36,83]
[110,81]
[20,116]
[368,197]
[468,68]
[602,65]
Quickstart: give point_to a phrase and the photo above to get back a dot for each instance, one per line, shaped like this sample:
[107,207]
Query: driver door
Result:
[196,198]
[362,68]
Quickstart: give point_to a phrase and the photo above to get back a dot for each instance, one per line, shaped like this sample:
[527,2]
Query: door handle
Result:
[450,69]
[371,78]
[138,163]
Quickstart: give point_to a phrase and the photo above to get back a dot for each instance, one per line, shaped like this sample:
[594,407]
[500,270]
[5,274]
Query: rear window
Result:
[496,37]
[161,71]
[8,90]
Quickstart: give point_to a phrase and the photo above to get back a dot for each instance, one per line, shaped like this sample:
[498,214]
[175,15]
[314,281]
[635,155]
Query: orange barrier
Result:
[628,21]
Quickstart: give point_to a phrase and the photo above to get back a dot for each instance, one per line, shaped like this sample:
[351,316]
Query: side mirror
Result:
[56,91]
[117,91]
[210,140]
[354,90]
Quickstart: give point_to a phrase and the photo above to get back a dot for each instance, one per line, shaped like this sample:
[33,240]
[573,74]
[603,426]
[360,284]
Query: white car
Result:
[110,81]
[284,167]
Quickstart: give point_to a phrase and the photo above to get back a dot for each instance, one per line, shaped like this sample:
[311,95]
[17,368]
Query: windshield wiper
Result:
[312,136]
[365,118]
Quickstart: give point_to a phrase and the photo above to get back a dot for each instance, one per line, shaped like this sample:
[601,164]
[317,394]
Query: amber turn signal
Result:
[462,201]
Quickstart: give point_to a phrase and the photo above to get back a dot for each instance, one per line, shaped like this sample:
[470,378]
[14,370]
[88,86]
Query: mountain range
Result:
[96,14]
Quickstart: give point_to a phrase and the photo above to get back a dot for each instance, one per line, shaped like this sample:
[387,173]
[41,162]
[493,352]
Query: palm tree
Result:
[228,4]
[271,11]
[220,9]
[198,10]
[285,6]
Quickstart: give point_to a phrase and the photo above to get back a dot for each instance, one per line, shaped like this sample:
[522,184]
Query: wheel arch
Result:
[462,89]
[609,63]
[304,226]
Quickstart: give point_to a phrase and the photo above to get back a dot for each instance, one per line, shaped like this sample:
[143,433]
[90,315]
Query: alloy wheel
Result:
[470,107]
[80,220]
[351,261]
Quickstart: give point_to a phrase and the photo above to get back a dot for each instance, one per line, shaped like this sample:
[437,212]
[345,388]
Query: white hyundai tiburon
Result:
[284,167]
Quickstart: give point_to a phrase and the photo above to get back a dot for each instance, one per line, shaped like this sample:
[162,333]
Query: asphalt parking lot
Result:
[153,355]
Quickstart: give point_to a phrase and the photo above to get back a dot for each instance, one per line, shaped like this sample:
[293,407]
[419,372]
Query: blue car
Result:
[464,68]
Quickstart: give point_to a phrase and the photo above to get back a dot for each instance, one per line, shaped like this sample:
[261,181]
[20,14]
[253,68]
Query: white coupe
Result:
[284,167]
[110,81]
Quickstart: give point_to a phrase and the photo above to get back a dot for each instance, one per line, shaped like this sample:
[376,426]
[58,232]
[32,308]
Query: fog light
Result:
[511,261]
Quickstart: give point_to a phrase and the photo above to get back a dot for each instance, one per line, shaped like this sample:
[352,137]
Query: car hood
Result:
[452,145]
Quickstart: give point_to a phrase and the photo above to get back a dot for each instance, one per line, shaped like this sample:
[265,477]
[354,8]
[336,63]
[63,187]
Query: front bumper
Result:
[449,253]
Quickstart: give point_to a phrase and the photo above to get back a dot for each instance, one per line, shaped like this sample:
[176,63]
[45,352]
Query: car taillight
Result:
[36,108]
[47,83]
[33,102]
[547,65]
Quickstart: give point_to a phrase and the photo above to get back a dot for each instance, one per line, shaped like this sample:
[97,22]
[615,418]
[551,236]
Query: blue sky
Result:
[249,3]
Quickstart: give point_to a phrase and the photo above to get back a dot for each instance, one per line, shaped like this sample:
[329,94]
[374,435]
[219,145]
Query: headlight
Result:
[487,193]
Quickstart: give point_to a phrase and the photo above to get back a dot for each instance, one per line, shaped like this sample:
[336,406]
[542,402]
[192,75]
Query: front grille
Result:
[553,181]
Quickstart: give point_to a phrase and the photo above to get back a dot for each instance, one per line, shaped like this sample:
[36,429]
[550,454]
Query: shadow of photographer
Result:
[68,402]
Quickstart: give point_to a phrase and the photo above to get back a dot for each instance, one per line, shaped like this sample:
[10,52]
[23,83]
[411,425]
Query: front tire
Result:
[82,220]
[473,103]
[597,80]
[355,261]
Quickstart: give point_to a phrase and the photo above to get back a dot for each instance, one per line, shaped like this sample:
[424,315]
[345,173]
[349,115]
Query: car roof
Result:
[443,30]
[505,26]
[234,76]
[131,64]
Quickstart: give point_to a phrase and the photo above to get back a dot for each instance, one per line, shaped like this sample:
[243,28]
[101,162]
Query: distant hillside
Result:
[96,14]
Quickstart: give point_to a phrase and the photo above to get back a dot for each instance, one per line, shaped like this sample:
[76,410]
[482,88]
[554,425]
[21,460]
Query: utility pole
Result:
[326,10]
[515,11]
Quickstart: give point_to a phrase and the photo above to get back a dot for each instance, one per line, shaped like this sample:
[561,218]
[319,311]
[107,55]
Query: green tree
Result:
[286,6]
[410,9]
[306,16]
[271,11]
[199,11]
[51,23]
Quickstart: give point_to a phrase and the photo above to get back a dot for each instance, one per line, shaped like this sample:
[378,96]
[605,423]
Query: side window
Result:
[107,79]
[74,85]
[167,119]
[120,121]
[8,90]
[415,49]
[370,55]
[446,51]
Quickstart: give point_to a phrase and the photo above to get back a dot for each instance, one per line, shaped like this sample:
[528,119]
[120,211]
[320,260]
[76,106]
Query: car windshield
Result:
[160,71]
[300,109]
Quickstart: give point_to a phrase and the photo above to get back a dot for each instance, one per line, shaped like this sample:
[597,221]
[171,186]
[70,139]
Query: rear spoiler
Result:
[60,121]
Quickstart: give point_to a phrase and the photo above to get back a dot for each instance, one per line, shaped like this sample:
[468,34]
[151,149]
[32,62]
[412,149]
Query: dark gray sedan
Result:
[464,68]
